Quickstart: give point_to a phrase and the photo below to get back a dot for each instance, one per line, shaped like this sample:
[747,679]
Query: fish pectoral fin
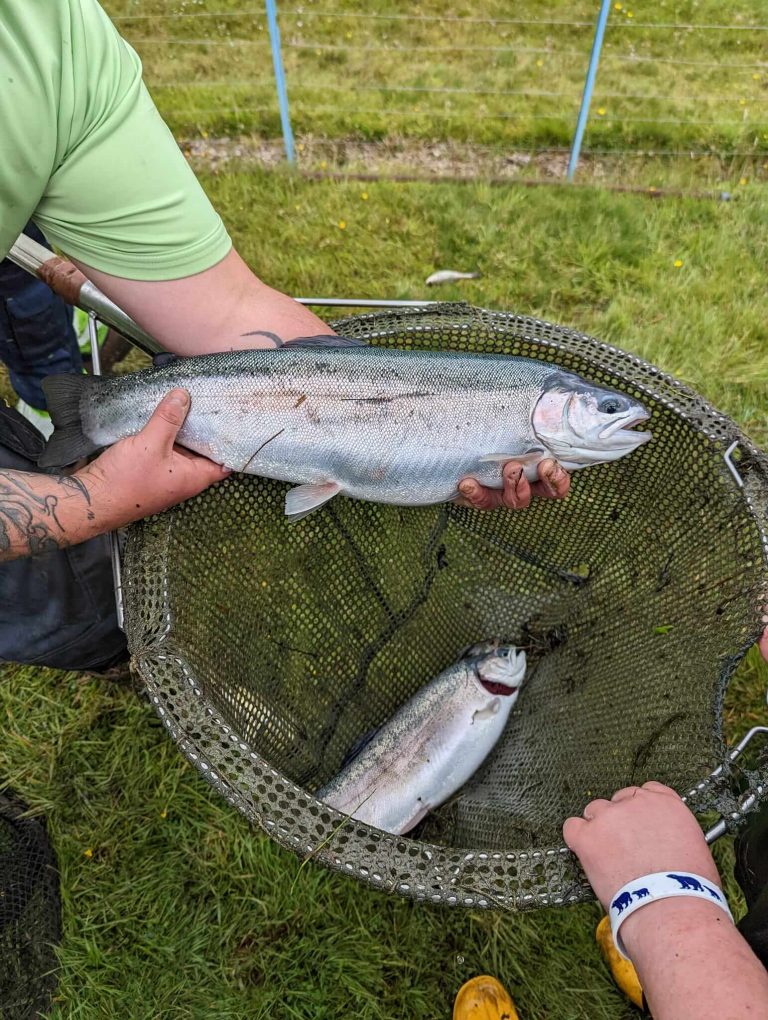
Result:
[531,456]
[488,712]
[303,499]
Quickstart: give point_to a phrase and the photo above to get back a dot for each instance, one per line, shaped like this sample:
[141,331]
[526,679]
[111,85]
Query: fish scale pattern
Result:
[269,648]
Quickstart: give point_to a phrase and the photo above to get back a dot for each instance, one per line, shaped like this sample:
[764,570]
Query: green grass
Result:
[404,75]
[173,906]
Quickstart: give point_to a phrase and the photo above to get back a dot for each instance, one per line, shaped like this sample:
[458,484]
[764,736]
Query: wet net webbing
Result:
[269,648]
[30,913]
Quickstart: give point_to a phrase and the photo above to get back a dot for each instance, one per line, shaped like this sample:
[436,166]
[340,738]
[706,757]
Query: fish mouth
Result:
[501,674]
[624,426]
[494,687]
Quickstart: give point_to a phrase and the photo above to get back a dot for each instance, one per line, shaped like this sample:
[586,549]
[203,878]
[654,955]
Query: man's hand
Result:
[146,473]
[691,961]
[553,483]
[640,830]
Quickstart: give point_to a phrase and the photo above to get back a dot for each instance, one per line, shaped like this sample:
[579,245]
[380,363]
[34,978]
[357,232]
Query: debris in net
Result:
[450,276]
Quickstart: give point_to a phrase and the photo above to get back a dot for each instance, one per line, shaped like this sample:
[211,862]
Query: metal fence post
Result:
[586,98]
[282,92]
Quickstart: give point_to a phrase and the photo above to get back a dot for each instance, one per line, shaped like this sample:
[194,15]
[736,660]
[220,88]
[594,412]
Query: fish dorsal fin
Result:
[163,358]
[325,341]
[303,499]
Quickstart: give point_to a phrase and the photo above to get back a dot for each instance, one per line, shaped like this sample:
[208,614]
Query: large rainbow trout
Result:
[390,426]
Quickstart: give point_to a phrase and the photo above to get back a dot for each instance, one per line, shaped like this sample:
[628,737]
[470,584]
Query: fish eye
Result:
[610,405]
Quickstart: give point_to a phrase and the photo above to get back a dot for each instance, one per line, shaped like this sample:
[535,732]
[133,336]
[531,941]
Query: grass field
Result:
[676,79]
[173,906]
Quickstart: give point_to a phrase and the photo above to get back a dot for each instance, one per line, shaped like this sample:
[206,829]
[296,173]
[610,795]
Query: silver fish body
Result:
[433,744]
[390,426]
[450,276]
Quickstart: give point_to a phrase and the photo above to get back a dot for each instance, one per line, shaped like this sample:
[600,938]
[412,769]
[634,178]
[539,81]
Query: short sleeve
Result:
[122,198]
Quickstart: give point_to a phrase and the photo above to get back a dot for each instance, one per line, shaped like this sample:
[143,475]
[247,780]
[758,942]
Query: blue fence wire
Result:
[739,121]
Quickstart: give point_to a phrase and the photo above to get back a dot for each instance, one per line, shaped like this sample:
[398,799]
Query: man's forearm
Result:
[223,308]
[41,512]
[693,964]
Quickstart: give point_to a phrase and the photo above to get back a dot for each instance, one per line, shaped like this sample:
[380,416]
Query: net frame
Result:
[532,873]
[30,912]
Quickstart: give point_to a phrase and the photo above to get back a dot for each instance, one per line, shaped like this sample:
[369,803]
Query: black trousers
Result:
[751,873]
[58,608]
[37,338]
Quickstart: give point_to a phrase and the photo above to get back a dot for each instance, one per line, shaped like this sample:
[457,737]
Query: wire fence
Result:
[357,81]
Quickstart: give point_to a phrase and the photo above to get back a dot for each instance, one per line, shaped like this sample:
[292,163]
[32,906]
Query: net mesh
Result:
[30,913]
[268,648]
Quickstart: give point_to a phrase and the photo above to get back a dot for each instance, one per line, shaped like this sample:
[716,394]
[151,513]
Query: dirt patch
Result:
[387,158]
[653,173]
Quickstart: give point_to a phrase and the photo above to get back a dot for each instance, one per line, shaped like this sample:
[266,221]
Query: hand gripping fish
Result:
[389,426]
[433,743]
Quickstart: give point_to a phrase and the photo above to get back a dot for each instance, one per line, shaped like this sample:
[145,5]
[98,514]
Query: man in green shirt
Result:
[87,156]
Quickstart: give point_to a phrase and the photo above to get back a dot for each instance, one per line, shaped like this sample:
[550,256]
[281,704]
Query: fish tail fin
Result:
[63,394]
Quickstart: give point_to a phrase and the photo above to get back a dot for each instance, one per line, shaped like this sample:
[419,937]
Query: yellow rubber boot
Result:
[624,974]
[484,998]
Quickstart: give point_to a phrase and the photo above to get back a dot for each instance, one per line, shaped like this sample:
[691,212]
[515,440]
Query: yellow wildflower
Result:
[88,853]
[342,226]
[539,63]
[742,180]
[364,196]
[617,7]
[601,111]
[678,263]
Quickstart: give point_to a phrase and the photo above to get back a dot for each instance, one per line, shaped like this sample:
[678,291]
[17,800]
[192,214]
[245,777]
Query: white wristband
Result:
[660,886]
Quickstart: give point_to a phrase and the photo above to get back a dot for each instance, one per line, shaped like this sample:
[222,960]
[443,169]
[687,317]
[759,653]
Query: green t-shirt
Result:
[84,153]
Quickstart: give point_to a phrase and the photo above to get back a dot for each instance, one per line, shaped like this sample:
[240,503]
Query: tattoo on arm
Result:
[28,517]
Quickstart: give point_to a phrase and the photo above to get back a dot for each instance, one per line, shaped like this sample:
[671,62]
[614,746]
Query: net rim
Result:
[388,854]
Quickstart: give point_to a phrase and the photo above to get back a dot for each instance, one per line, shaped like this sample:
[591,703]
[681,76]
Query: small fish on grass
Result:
[335,416]
[450,276]
[433,744]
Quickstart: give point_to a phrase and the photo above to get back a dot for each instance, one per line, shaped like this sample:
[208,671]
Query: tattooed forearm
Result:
[30,512]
